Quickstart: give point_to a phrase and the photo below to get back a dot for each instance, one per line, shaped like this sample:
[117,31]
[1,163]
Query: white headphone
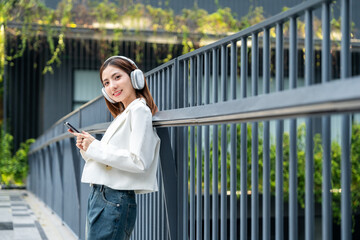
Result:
[136,76]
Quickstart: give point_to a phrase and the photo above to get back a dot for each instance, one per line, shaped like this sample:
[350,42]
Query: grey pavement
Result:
[24,217]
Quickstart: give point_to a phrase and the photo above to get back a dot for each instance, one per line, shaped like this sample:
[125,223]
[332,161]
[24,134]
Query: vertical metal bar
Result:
[173,104]
[233,145]
[345,135]
[254,64]
[149,82]
[199,157]
[192,154]
[169,92]
[199,80]
[159,85]
[159,205]
[186,159]
[192,82]
[145,204]
[164,224]
[151,215]
[309,159]
[215,66]
[199,185]
[326,135]
[154,207]
[137,230]
[279,221]
[207,152]
[138,216]
[186,83]
[154,84]
[192,182]
[223,73]
[174,81]
[254,143]
[293,212]
[223,206]
[179,83]
[266,140]
[179,144]
[147,228]
[170,98]
[345,39]
[150,209]
[293,71]
[185,189]
[243,154]
[156,89]
[163,88]
[142,232]
[215,207]
[233,69]
[309,48]
[243,66]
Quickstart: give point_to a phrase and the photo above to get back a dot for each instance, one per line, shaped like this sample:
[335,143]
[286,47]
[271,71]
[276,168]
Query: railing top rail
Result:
[329,98]
[268,23]
[162,66]
[61,120]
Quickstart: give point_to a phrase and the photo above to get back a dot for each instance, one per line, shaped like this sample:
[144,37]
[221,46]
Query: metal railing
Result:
[205,112]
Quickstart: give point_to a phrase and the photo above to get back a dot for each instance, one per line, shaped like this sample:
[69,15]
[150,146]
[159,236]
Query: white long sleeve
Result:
[127,155]
[137,156]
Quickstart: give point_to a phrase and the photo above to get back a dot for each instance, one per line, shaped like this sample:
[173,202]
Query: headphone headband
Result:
[122,57]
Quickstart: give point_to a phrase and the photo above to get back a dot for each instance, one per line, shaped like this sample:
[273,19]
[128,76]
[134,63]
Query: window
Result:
[87,86]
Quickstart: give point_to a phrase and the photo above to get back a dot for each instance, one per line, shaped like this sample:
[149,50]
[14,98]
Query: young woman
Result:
[125,161]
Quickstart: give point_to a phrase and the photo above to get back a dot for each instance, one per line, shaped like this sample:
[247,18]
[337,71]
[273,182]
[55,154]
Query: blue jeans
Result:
[111,213]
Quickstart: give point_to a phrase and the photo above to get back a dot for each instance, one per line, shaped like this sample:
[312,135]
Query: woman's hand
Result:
[83,139]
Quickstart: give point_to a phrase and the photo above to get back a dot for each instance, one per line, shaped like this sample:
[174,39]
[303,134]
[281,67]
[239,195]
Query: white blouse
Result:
[127,156]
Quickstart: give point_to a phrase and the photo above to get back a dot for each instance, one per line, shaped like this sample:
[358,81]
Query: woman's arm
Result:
[142,145]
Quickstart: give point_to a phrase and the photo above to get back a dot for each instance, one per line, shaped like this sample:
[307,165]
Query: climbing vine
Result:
[33,19]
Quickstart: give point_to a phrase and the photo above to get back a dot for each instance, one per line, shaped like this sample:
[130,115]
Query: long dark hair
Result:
[117,108]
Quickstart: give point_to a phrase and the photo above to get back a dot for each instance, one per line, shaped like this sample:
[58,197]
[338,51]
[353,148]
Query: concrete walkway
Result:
[25,217]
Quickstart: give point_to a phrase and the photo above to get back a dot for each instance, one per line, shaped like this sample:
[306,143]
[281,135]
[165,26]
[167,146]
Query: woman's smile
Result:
[117,93]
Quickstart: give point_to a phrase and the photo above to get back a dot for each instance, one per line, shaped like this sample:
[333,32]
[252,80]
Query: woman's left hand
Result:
[83,140]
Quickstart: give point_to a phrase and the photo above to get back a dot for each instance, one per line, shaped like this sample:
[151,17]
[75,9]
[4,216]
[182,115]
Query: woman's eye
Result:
[106,83]
[117,77]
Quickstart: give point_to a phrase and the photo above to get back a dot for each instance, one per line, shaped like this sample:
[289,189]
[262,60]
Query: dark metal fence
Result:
[208,188]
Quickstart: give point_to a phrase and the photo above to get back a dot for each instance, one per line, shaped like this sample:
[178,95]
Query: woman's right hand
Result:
[79,139]
[83,139]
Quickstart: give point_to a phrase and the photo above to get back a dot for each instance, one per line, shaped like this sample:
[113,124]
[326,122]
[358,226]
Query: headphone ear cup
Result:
[107,96]
[137,79]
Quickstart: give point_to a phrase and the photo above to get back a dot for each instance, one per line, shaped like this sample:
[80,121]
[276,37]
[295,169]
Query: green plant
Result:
[317,156]
[6,168]
[255,15]
[13,167]
[28,13]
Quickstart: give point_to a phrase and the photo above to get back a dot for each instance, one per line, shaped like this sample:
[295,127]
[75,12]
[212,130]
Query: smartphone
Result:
[71,127]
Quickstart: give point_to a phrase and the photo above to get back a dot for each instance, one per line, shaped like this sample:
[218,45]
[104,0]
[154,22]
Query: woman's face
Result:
[118,85]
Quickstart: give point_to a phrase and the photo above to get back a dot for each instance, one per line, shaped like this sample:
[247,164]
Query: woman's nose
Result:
[113,85]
